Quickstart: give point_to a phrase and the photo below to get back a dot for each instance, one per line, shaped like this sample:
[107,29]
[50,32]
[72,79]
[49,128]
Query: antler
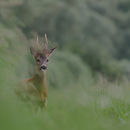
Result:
[37,40]
[46,45]
[38,45]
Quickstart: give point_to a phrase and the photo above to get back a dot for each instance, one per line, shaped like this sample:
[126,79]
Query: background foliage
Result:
[88,74]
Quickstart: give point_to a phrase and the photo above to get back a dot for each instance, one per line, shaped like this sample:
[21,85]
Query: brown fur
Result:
[34,89]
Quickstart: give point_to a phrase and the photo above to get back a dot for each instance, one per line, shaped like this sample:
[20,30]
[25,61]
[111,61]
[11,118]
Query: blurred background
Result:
[88,75]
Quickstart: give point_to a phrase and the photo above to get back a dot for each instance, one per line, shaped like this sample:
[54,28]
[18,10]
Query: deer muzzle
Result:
[43,68]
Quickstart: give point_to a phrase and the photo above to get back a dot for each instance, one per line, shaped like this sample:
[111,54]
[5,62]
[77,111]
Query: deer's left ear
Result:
[51,51]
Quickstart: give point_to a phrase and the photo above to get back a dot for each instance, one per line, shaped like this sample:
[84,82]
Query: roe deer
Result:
[35,88]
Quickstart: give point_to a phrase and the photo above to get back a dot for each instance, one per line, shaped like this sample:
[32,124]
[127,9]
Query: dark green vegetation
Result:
[88,75]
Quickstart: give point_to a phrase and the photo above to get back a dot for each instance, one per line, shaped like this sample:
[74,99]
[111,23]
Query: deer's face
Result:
[42,62]
[41,58]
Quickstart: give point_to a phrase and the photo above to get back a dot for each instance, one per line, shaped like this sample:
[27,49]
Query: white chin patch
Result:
[42,70]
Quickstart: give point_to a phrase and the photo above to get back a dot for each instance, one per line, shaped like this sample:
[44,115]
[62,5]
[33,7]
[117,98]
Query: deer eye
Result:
[38,60]
[47,60]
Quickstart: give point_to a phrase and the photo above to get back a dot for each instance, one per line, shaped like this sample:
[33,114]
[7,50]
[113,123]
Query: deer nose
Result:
[43,67]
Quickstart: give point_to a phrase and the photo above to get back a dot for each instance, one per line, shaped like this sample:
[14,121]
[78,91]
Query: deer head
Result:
[42,56]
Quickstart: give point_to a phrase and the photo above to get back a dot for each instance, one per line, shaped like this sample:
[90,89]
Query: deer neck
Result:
[40,80]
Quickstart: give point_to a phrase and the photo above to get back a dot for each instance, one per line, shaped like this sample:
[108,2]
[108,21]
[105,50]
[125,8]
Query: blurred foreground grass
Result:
[97,107]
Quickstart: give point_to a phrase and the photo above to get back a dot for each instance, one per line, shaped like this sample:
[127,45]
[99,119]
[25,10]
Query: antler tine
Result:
[37,40]
[38,45]
[46,45]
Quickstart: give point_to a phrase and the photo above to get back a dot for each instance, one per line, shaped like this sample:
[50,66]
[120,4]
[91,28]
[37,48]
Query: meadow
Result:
[75,101]
[88,75]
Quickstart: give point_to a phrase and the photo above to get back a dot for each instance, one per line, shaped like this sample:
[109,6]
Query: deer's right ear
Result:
[33,51]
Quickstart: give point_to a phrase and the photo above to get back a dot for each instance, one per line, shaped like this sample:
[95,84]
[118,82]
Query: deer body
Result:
[35,88]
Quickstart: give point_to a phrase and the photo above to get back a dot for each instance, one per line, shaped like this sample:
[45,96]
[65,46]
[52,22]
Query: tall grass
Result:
[75,100]
[98,107]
